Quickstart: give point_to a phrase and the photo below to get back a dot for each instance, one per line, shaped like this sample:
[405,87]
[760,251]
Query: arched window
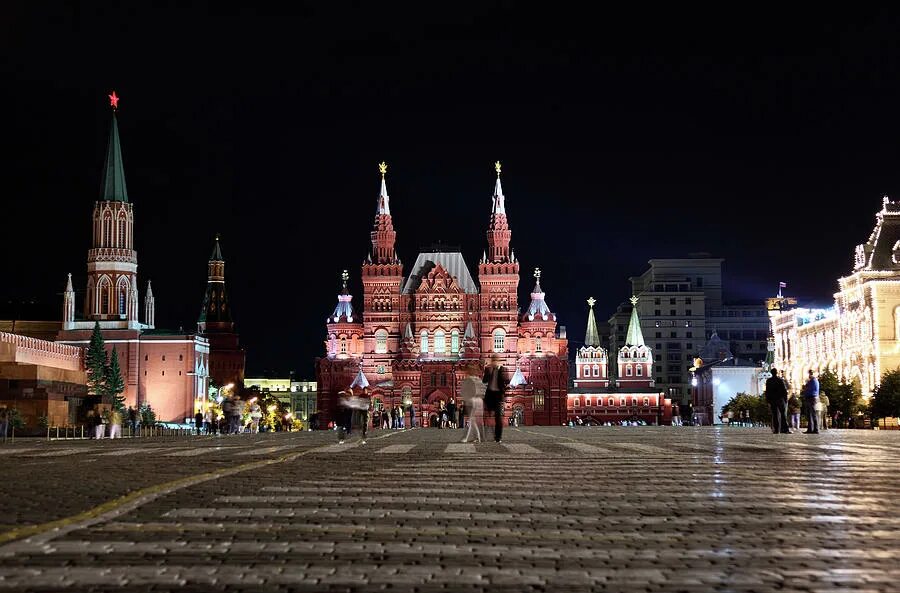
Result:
[622,401]
[381,341]
[596,370]
[423,347]
[611,402]
[628,370]
[123,293]
[440,343]
[343,345]
[499,340]
[454,341]
[576,403]
[106,236]
[538,347]
[104,288]
[121,233]
[639,370]
[646,401]
[587,401]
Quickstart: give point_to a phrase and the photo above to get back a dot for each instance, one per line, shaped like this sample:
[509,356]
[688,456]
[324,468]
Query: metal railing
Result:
[81,431]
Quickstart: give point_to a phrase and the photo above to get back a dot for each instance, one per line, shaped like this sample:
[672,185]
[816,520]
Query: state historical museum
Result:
[416,332]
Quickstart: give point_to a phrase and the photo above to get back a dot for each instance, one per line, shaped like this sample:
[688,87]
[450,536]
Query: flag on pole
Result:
[782,285]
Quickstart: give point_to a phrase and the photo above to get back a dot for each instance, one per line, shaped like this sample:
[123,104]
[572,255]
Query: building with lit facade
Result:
[858,337]
[681,305]
[164,369]
[628,394]
[413,334]
[719,375]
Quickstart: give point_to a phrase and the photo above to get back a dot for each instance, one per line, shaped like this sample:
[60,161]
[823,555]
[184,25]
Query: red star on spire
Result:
[114,100]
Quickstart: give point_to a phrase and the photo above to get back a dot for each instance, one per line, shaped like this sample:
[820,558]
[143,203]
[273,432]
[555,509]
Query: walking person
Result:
[824,403]
[472,394]
[4,422]
[495,393]
[412,415]
[99,423]
[462,408]
[115,424]
[198,421]
[777,397]
[676,418]
[810,393]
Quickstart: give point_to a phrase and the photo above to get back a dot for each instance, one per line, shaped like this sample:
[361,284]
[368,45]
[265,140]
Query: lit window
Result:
[596,370]
[454,341]
[499,340]
[538,348]
[646,401]
[628,371]
[424,338]
[440,343]
[611,402]
[343,345]
[381,341]
[587,401]
[576,403]
[622,401]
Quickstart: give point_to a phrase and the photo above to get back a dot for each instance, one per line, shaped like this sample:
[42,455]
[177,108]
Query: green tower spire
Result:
[113,171]
[634,337]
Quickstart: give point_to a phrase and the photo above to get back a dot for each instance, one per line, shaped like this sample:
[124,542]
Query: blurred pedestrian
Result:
[115,424]
[810,393]
[472,393]
[824,402]
[794,411]
[495,394]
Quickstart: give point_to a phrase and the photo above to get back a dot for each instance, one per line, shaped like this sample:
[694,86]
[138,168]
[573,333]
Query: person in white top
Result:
[472,392]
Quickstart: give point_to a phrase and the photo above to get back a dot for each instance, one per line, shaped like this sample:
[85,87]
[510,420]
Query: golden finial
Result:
[633,300]
[382,167]
[497,168]
[591,302]
[537,273]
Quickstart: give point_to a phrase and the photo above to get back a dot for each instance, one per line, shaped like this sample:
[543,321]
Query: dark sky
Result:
[764,138]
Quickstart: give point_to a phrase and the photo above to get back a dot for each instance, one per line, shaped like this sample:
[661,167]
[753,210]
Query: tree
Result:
[885,402]
[115,385]
[96,361]
[147,414]
[759,409]
[846,401]
[829,383]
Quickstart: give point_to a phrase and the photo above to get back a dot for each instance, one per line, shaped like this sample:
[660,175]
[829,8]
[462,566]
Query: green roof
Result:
[634,336]
[113,171]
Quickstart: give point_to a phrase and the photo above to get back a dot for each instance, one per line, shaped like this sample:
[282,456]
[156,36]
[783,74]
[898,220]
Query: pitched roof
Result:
[216,252]
[882,250]
[113,171]
[591,335]
[634,337]
[453,262]
[715,349]
[538,306]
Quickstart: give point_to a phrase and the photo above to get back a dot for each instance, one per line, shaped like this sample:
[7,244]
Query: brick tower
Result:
[498,276]
[382,277]
[112,293]
[226,357]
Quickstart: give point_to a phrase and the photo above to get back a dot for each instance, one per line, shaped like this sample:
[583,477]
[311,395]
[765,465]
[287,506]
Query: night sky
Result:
[764,138]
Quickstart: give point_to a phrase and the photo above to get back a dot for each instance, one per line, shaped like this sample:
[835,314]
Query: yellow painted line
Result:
[149,492]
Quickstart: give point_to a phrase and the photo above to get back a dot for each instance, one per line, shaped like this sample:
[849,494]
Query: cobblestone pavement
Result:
[549,509]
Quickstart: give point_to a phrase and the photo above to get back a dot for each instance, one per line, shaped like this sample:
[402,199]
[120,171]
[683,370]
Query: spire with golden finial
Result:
[591,336]
[499,199]
[384,205]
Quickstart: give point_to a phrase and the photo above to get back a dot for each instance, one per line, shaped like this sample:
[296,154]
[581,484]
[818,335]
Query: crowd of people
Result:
[479,391]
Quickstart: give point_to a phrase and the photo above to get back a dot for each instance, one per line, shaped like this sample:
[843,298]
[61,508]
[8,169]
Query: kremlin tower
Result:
[226,357]
[165,370]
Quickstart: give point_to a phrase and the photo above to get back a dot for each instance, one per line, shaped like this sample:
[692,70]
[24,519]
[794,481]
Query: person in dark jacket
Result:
[198,422]
[777,396]
[494,398]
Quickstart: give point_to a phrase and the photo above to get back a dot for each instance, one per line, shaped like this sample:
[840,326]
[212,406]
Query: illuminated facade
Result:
[859,336]
[167,370]
[631,394]
[415,333]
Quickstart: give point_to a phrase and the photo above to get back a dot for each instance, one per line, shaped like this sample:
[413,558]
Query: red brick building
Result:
[415,333]
[629,395]
[165,369]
